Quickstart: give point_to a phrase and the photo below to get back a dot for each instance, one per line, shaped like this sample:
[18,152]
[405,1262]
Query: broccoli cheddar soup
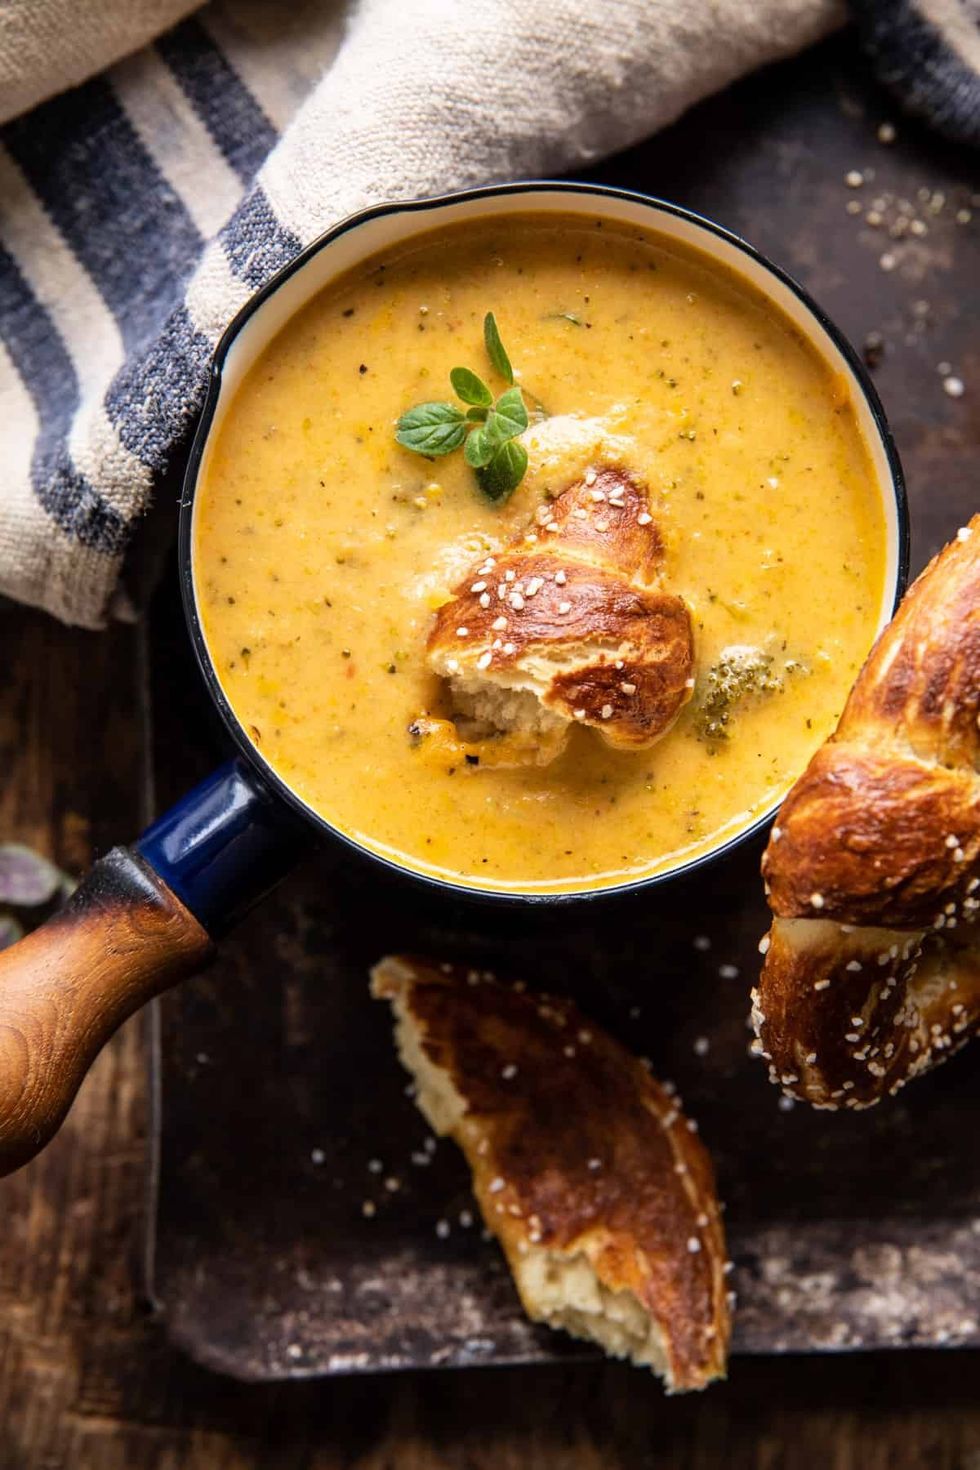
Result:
[700,530]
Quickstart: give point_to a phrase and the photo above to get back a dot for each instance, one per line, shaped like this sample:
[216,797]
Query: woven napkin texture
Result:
[141,209]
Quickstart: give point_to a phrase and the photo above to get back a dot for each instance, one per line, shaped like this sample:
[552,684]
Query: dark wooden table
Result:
[87,1379]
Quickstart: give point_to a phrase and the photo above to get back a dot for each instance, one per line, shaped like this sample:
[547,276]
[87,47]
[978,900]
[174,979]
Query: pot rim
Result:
[577,192]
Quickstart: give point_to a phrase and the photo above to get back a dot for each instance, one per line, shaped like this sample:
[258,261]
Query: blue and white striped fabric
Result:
[141,209]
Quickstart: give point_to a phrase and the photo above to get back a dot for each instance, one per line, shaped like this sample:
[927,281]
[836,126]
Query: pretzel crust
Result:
[582,1163]
[872,969]
[570,613]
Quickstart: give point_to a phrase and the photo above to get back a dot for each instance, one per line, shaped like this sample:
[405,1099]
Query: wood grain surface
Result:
[87,1379]
[65,989]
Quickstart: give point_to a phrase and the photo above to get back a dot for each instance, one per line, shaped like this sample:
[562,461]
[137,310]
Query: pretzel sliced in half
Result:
[872,969]
[584,1167]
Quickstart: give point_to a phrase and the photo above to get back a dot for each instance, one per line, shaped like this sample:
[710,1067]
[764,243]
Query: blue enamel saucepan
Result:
[147,915]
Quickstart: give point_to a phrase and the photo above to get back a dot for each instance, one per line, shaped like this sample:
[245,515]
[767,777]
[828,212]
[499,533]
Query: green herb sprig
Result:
[488,429]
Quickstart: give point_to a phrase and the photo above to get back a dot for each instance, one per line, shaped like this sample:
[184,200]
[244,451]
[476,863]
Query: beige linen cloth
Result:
[141,209]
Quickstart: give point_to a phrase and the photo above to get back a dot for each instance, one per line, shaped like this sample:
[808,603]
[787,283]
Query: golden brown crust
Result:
[884,824]
[873,868]
[576,1149]
[634,680]
[590,524]
[845,1016]
[567,612]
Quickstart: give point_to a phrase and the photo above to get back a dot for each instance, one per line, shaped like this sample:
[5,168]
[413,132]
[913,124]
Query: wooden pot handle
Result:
[122,938]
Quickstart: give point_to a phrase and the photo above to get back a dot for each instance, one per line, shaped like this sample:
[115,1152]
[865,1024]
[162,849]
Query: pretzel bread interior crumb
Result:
[558,1288]
[564,1291]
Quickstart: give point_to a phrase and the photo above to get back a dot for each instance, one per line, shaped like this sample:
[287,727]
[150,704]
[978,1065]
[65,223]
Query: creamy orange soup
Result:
[322,547]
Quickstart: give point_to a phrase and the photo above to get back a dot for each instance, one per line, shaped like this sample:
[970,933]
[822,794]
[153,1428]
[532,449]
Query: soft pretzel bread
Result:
[566,625]
[872,968]
[599,1190]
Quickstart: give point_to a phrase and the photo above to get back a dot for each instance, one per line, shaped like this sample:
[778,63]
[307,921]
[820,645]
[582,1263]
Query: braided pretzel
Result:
[872,968]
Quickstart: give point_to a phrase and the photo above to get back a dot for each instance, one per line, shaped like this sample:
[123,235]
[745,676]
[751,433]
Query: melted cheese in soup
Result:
[321,547]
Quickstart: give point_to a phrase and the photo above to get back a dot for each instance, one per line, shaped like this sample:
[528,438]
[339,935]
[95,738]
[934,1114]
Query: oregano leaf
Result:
[480,449]
[432,428]
[504,473]
[508,417]
[470,387]
[495,348]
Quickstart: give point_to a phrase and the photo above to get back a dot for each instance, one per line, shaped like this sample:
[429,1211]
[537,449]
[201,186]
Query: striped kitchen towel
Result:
[139,210]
